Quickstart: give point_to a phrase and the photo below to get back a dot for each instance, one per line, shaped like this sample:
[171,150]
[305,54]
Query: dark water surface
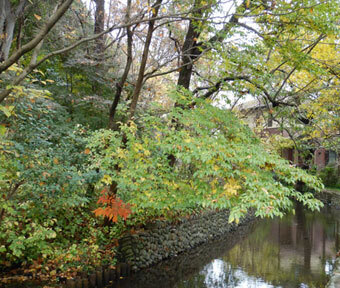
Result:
[296,251]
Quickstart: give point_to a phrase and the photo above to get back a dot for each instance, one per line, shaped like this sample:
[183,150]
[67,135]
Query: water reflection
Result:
[296,251]
[220,274]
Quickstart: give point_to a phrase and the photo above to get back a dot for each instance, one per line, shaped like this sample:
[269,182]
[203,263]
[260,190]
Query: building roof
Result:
[252,104]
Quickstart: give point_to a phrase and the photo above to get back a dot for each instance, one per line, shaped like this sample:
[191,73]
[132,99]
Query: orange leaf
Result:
[37,17]
[114,207]
[87,151]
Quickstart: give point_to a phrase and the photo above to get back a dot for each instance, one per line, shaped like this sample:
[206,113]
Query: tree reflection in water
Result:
[294,252]
[220,274]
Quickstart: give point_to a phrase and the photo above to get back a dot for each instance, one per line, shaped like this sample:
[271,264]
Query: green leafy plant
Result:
[219,163]
[45,190]
[329,176]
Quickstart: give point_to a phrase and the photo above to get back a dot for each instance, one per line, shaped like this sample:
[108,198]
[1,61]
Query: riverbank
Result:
[297,250]
[161,240]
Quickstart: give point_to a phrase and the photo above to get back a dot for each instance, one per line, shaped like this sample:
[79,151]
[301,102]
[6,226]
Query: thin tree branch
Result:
[35,41]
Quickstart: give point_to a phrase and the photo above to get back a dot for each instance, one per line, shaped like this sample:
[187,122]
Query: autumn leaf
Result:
[37,17]
[114,207]
[87,151]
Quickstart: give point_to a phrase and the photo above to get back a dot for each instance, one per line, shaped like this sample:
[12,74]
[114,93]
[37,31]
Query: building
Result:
[257,116]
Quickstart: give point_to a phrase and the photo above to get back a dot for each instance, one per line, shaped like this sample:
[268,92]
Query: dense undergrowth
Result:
[47,193]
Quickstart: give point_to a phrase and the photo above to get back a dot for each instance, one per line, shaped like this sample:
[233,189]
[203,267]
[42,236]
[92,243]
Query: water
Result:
[296,251]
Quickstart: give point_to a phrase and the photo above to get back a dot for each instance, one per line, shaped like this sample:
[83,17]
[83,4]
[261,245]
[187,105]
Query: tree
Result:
[99,18]
[8,17]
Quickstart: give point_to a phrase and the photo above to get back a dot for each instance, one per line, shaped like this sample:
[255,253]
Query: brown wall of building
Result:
[320,158]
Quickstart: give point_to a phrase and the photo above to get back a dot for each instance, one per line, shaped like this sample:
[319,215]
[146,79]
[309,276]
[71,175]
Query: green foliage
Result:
[44,186]
[329,176]
[219,164]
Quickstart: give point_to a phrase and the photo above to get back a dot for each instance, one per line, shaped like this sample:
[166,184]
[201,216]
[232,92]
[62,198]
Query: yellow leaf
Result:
[107,179]
[37,17]
[56,161]
[231,187]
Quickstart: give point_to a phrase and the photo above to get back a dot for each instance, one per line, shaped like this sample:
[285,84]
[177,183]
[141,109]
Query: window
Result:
[332,157]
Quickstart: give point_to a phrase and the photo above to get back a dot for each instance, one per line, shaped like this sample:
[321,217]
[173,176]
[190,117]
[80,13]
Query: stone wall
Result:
[330,198]
[190,262]
[161,239]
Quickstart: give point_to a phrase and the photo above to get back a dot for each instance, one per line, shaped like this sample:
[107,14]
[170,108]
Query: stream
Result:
[296,251]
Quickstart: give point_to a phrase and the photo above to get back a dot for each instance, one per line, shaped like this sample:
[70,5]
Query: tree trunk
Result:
[120,84]
[16,55]
[99,18]
[8,17]
[189,53]
[141,72]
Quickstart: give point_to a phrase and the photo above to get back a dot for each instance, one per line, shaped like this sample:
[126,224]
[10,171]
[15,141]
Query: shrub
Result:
[219,164]
[329,176]
[44,198]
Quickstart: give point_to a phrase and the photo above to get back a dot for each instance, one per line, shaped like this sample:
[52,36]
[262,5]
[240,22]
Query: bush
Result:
[329,176]
[44,198]
[219,164]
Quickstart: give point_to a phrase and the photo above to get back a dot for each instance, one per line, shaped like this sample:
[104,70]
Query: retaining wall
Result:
[161,239]
[330,198]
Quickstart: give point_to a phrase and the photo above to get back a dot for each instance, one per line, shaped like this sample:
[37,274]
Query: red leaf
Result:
[114,207]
